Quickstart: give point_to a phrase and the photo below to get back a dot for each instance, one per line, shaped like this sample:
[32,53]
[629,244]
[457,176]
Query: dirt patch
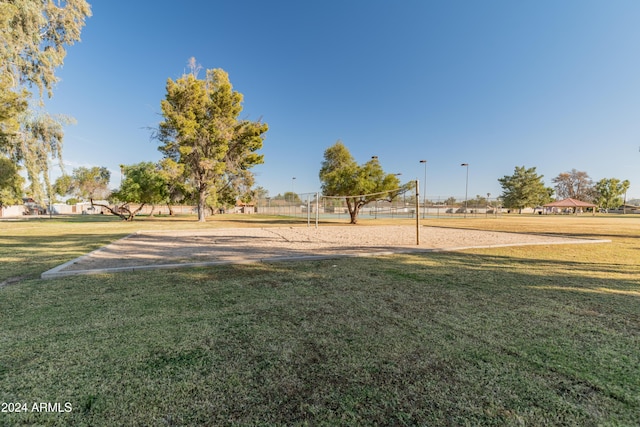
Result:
[149,249]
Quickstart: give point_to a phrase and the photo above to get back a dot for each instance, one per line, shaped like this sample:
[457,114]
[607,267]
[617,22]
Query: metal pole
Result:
[317,208]
[49,186]
[466,189]
[466,193]
[417,212]
[293,198]
[424,198]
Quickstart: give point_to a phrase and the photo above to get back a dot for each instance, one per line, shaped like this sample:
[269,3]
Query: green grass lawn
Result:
[537,335]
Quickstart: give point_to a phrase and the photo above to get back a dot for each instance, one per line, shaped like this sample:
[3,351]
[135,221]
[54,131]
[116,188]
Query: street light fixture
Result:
[466,189]
[424,191]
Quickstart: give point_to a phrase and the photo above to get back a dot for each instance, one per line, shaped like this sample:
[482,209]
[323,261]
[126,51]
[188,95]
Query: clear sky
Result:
[496,84]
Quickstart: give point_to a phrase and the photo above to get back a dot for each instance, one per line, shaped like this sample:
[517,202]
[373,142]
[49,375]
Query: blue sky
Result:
[496,84]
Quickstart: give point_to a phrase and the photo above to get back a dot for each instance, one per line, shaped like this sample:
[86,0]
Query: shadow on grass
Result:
[429,339]
[591,234]
[29,256]
[544,267]
[69,219]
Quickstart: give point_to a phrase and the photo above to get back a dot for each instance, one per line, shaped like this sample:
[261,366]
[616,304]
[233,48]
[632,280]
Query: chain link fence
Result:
[310,205]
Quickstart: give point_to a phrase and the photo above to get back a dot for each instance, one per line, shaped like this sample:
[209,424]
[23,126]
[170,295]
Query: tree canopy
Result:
[10,183]
[610,191]
[85,183]
[524,188]
[34,34]
[144,183]
[201,131]
[340,175]
[33,39]
[576,185]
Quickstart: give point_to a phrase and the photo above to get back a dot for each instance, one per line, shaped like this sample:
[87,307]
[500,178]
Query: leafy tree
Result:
[340,175]
[92,183]
[39,139]
[64,186]
[576,185]
[610,191]
[173,175]
[524,189]
[201,131]
[13,105]
[479,201]
[33,36]
[259,193]
[143,184]
[11,183]
[85,183]
[292,197]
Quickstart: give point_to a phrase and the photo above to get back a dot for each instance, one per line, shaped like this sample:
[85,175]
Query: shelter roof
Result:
[569,203]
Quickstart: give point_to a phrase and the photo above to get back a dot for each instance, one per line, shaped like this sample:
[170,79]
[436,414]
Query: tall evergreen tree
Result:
[524,189]
[202,132]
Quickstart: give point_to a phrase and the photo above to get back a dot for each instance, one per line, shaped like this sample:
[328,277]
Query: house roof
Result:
[569,203]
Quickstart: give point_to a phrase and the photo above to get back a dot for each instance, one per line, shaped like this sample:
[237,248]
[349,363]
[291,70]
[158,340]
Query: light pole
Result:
[293,180]
[486,210]
[466,188]
[424,191]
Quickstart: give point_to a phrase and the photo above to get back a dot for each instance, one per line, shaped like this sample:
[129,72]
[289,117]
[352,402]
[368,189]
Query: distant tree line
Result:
[525,188]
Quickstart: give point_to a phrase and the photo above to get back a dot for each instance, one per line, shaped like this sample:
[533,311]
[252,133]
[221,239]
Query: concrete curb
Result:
[58,271]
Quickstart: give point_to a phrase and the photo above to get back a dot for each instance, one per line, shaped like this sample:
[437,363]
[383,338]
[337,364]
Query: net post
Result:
[417,212]
[317,208]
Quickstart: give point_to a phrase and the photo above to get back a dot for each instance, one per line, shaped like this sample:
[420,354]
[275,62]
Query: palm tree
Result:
[625,186]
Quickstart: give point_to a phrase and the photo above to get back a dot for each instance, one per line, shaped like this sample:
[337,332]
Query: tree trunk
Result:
[153,208]
[117,211]
[354,216]
[202,205]
[353,211]
[170,209]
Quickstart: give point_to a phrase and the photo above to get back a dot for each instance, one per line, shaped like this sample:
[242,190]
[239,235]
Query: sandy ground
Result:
[231,245]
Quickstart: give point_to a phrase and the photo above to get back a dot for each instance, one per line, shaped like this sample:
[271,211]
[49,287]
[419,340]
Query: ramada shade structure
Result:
[571,203]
